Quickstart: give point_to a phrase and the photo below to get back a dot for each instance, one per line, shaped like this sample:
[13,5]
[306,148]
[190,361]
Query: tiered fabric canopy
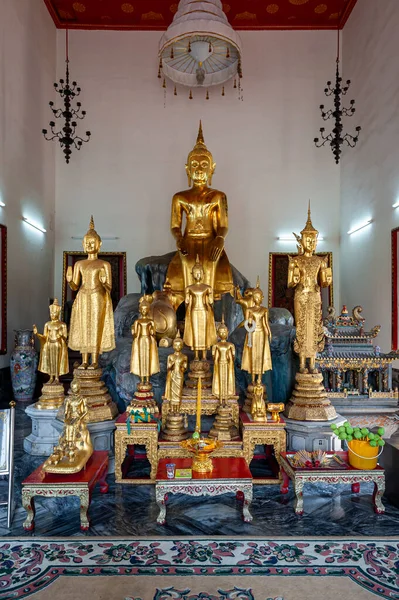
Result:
[200,48]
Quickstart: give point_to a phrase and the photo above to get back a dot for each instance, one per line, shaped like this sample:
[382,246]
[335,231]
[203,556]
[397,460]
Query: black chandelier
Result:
[336,138]
[67,136]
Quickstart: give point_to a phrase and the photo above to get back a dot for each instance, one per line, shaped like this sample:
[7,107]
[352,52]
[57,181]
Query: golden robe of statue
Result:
[53,348]
[144,359]
[256,357]
[92,320]
[176,366]
[223,354]
[199,329]
[304,273]
[74,446]
[206,227]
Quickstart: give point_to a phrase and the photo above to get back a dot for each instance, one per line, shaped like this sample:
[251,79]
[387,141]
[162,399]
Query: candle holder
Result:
[201,449]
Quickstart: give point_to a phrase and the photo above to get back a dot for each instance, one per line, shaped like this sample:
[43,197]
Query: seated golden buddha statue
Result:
[206,227]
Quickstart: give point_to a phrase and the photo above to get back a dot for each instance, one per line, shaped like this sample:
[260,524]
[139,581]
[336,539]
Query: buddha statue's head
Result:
[307,241]
[198,271]
[223,331]
[75,386]
[200,166]
[178,343]
[91,241]
[55,310]
[257,294]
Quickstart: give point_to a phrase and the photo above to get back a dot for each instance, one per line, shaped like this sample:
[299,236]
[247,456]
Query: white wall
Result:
[370,173]
[27,170]
[266,161]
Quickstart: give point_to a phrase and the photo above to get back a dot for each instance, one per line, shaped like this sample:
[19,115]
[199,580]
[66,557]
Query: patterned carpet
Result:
[235,569]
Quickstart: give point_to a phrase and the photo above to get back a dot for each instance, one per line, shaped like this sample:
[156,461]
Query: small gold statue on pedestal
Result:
[92,324]
[74,446]
[199,330]
[256,356]
[309,400]
[223,385]
[175,427]
[144,360]
[258,407]
[53,358]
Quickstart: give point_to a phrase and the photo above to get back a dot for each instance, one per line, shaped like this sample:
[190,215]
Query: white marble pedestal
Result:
[313,435]
[102,437]
[44,436]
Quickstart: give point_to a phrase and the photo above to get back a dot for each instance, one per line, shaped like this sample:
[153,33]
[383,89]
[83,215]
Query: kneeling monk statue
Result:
[205,231]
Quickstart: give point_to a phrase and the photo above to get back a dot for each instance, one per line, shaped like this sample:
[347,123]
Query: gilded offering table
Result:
[209,405]
[50,485]
[141,434]
[229,475]
[265,433]
[350,475]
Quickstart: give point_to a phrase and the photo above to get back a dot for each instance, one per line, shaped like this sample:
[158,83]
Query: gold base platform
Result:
[209,405]
[53,396]
[223,428]
[309,400]
[144,398]
[175,428]
[99,402]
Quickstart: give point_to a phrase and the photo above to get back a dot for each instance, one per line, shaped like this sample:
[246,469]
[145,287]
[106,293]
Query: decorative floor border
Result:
[28,565]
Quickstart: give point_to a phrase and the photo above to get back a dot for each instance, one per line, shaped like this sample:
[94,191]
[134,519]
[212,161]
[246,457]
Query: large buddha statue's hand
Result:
[182,245]
[216,248]
[69,274]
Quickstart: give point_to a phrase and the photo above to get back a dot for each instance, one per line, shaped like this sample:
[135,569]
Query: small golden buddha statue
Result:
[199,330]
[305,272]
[206,227]
[256,357]
[223,386]
[144,359]
[223,354]
[53,347]
[175,424]
[92,320]
[258,407]
[176,367]
[74,446]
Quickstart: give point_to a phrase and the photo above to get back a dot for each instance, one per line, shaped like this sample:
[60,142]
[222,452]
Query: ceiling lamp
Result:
[200,49]
[66,135]
[336,138]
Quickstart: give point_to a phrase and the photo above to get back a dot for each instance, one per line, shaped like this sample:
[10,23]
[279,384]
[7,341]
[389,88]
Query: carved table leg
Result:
[161,498]
[84,507]
[379,489]
[246,504]
[355,488]
[118,457]
[286,482]
[29,505]
[152,455]
[298,503]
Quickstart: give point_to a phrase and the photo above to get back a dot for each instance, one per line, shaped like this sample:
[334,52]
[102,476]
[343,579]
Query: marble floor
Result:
[130,510]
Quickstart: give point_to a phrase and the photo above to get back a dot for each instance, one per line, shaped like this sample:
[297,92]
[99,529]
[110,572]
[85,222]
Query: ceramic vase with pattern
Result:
[23,365]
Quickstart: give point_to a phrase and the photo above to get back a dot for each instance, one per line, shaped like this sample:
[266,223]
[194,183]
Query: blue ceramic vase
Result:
[23,365]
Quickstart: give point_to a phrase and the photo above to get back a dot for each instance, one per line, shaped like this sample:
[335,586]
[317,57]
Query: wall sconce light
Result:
[393,205]
[2,203]
[361,226]
[34,225]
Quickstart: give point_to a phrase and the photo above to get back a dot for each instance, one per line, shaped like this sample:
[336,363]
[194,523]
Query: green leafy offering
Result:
[349,433]
[381,431]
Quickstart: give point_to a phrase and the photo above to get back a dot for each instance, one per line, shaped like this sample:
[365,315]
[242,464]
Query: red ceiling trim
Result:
[53,14]
[346,13]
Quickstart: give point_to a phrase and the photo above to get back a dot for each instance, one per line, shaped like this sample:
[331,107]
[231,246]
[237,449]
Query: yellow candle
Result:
[198,423]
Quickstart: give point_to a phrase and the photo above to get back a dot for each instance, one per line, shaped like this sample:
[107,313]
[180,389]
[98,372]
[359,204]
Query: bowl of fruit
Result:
[364,446]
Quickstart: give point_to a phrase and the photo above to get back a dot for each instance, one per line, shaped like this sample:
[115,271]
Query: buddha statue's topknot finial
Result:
[91,232]
[309,225]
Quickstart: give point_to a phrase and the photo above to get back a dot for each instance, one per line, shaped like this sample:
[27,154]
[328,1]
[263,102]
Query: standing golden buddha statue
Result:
[308,272]
[206,228]
[91,330]
[256,356]
[53,357]
[144,359]
[223,385]
[199,326]
[175,427]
